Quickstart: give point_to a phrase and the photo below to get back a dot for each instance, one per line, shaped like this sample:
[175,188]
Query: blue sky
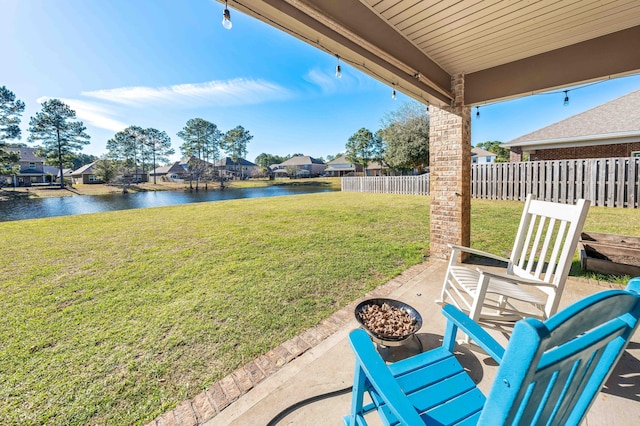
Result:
[158,63]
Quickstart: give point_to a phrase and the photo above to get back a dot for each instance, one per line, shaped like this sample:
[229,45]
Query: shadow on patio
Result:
[320,361]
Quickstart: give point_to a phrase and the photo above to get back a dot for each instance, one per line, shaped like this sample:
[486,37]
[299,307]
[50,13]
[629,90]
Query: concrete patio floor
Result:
[328,366]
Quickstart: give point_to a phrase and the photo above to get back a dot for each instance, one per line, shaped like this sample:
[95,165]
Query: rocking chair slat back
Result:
[533,255]
[570,357]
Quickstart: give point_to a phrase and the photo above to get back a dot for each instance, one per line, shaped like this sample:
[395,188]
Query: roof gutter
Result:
[573,141]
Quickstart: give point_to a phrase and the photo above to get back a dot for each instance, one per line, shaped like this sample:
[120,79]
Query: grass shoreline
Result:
[7,194]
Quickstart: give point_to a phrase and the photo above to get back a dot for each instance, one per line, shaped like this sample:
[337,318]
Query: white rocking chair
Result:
[536,272]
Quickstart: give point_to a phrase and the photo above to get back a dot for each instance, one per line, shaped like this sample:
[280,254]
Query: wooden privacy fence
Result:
[418,185]
[609,182]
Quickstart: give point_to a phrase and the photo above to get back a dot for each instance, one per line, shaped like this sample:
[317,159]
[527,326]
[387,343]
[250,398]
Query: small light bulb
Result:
[393,94]
[338,71]
[477,112]
[226,19]
[566,98]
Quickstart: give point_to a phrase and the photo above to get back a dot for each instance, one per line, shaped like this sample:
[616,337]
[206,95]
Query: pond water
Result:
[20,209]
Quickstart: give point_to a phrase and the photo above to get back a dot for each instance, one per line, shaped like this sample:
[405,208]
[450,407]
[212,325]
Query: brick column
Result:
[450,168]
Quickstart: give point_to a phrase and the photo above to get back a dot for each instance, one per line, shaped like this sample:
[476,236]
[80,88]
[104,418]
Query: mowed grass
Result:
[114,318]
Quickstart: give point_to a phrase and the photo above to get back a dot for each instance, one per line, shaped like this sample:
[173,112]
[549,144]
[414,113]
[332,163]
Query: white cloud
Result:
[91,113]
[105,108]
[212,93]
[326,82]
[329,84]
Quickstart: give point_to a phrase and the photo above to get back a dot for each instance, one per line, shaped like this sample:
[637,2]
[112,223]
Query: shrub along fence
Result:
[610,182]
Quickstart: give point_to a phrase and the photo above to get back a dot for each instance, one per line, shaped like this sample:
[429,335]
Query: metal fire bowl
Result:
[385,339]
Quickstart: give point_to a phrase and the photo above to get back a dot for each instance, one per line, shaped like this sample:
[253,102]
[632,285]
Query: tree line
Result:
[401,144]
[130,152]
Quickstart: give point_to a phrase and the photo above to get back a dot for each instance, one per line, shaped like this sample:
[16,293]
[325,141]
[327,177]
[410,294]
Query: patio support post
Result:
[450,168]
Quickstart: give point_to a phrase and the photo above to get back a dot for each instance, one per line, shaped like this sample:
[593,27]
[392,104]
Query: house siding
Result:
[578,152]
[31,168]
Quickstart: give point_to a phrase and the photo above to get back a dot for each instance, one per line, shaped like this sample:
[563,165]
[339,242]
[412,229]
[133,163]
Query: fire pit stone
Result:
[386,342]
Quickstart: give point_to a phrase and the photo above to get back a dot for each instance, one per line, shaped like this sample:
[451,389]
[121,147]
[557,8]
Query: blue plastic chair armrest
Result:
[473,330]
[381,378]
[634,285]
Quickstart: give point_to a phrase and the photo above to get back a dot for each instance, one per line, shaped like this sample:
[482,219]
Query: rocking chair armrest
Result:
[514,278]
[458,319]
[378,374]
[478,253]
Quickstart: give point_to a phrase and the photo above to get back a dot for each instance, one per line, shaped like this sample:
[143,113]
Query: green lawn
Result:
[114,318]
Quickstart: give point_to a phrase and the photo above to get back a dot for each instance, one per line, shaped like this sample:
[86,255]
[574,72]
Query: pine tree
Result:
[10,112]
[61,137]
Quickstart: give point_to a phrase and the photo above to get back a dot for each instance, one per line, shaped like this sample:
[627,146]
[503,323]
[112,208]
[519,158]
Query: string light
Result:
[319,44]
[338,69]
[477,112]
[226,17]
[393,93]
[566,98]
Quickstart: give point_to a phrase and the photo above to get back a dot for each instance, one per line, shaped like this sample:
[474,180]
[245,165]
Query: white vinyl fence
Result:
[418,185]
[610,182]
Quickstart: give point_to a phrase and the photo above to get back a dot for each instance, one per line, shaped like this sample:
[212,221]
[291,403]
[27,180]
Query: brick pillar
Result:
[450,168]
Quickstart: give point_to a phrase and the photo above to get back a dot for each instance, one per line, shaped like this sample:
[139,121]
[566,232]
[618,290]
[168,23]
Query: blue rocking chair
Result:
[550,372]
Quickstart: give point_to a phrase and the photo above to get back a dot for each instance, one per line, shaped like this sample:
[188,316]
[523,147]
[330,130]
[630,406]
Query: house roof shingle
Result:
[26,154]
[300,160]
[227,161]
[479,152]
[618,118]
[173,168]
[87,169]
[339,160]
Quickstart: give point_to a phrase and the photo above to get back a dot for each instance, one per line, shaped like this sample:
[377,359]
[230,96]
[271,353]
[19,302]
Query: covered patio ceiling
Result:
[505,48]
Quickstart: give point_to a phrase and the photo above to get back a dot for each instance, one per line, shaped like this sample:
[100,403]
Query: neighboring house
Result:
[66,173]
[301,165]
[138,176]
[241,168]
[340,166]
[377,169]
[481,156]
[175,171]
[85,174]
[32,168]
[280,173]
[608,130]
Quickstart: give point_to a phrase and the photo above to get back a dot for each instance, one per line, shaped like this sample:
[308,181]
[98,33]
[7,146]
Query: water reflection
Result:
[20,209]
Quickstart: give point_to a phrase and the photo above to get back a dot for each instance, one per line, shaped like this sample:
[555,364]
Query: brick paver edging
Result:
[209,403]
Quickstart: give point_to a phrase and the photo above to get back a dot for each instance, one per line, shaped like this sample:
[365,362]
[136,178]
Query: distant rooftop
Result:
[479,152]
[300,160]
[26,153]
[228,161]
[339,160]
[86,169]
